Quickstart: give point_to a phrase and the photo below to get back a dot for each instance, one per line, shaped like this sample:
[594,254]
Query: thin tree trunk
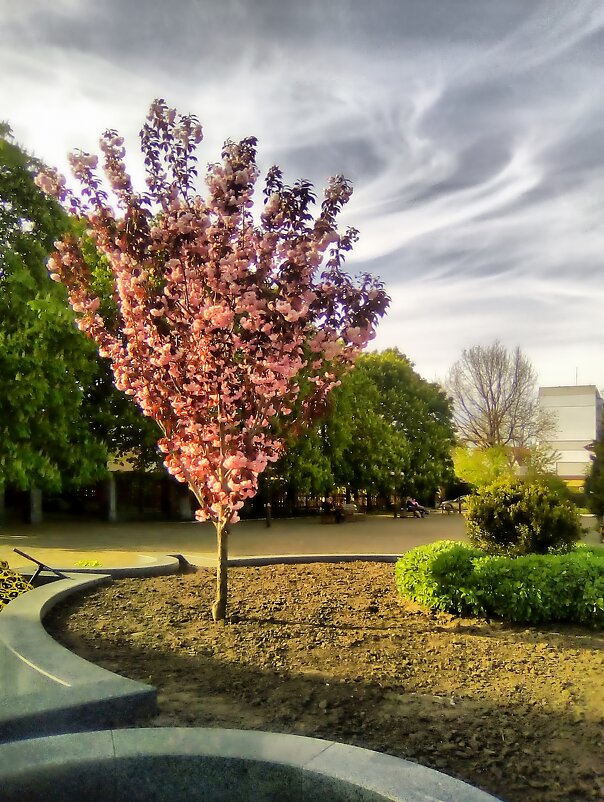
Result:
[222,542]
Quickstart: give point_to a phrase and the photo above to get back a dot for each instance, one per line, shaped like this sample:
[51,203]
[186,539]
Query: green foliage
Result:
[535,589]
[60,414]
[482,466]
[305,466]
[594,486]
[511,518]
[438,575]
[45,363]
[541,588]
[116,420]
[410,428]
[385,429]
[368,452]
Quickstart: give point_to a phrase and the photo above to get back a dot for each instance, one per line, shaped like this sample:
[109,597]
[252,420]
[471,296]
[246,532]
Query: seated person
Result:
[416,508]
[410,506]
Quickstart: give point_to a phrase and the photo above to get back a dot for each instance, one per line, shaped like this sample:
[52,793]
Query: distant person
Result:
[414,506]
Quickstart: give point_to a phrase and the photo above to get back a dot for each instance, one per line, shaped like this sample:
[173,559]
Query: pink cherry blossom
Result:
[216,312]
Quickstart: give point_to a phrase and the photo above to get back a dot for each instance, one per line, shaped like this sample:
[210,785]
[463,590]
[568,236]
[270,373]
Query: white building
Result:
[578,412]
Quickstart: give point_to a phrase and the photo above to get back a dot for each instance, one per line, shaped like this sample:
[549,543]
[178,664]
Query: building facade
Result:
[578,414]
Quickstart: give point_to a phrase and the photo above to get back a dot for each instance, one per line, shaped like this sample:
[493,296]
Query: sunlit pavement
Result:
[64,544]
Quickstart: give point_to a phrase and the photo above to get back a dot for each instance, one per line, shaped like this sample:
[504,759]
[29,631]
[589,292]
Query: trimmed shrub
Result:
[539,588]
[439,575]
[534,589]
[513,518]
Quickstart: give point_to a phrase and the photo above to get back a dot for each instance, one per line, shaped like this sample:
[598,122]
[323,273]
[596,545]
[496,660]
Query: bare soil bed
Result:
[330,651]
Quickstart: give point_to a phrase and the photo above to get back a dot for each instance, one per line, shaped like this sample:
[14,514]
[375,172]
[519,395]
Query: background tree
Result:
[352,447]
[60,414]
[420,412]
[386,430]
[367,452]
[303,469]
[45,363]
[594,485]
[482,466]
[224,320]
[494,393]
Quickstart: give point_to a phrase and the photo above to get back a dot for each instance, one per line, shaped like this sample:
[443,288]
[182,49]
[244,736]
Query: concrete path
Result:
[64,544]
[67,543]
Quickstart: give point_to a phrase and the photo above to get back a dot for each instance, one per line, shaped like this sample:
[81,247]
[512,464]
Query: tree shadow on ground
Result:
[518,752]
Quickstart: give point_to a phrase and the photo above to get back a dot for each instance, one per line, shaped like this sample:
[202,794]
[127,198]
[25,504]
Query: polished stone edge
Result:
[110,760]
[159,566]
[47,688]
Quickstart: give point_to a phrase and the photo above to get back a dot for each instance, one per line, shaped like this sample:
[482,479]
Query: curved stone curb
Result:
[302,559]
[157,566]
[48,689]
[214,765]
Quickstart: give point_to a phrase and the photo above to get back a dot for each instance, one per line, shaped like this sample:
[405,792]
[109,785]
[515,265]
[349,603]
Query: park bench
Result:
[345,514]
[407,514]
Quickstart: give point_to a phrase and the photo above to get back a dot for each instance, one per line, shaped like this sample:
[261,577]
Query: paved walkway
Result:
[64,544]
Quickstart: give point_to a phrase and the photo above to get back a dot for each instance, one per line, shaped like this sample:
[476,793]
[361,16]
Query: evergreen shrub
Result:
[438,575]
[532,589]
[512,518]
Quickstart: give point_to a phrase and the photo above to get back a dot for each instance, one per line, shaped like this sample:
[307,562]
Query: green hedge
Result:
[534,589]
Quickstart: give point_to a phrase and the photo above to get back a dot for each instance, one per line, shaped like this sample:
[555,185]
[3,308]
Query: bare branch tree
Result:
[494,392]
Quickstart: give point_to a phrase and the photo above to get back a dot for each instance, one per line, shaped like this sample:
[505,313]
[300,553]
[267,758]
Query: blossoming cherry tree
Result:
[227,312]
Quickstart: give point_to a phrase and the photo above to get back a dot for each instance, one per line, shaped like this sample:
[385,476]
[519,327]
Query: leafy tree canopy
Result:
[482,466]
[45,363]
[594,486]
[387,429]
[418,410]
[370,453]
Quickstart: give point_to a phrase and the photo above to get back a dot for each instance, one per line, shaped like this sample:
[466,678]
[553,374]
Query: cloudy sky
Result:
[473,131]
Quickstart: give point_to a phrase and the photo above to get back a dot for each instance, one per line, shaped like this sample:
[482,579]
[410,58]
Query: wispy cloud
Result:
[473,133]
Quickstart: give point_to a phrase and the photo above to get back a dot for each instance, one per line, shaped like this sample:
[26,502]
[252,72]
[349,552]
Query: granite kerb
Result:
[215,765]
[155,565]
[44,687]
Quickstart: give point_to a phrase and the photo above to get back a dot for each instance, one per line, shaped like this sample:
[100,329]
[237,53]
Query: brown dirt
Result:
[330,651]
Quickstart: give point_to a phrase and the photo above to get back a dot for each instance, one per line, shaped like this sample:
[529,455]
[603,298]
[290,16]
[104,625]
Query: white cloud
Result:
[474,140]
